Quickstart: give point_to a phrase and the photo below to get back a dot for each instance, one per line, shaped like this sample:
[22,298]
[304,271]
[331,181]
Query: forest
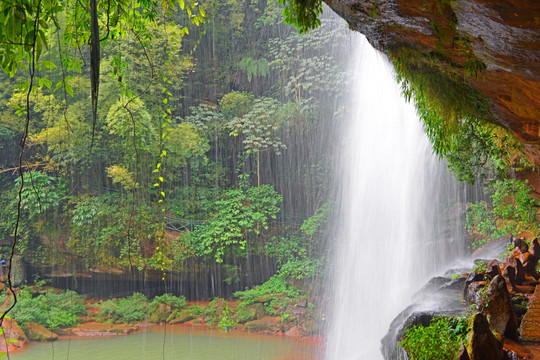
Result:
[192,120]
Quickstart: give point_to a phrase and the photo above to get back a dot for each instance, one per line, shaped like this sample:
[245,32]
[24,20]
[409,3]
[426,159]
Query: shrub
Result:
[275,295]
[227,322]
[441,340]
[513,211]
[125,310]
[51,309]
[169,299]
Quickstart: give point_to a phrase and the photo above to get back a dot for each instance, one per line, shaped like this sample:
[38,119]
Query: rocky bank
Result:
[501,297]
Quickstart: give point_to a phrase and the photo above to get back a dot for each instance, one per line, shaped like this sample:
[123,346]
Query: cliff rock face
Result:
[502,37]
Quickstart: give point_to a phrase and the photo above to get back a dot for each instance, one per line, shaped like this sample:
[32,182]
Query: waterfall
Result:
[390,231]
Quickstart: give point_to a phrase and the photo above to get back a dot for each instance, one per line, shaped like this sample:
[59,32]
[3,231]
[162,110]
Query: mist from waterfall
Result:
[395,222]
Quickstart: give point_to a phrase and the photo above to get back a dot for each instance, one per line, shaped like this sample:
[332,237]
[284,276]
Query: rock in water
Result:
[267,323]
[499,309]
[14,333]
[39,332]
[484,345]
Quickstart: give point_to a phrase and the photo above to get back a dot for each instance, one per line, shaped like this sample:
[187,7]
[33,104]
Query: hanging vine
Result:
[26,37]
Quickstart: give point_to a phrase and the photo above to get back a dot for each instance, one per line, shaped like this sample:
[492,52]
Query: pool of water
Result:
[170,343]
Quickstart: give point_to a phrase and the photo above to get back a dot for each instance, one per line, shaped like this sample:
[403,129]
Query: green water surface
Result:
[170,343]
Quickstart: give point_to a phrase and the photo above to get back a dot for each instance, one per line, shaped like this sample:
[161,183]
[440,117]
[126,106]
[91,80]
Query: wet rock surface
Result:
[503,35]
[99,329]
[14,333]
[436,298]
[498,296]
[500,310]
[484,345]
[530,325]
[267,323]
[39,332]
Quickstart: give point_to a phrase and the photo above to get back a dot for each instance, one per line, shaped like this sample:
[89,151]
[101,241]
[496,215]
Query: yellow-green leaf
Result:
[48,64]
[69,89]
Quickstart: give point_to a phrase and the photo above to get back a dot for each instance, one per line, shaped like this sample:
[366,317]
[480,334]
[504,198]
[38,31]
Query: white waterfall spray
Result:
[391,195]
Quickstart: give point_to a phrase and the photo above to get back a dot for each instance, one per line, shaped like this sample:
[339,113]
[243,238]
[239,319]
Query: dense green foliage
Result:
[456,117]
[125,310]
[303,14]
[170,300]
[137,308]
[205,151]
[239,219]
[51,308]
[459,122]
[513,210]
[441,340]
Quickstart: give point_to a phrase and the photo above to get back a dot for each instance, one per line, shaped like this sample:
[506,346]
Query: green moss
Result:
[456,118]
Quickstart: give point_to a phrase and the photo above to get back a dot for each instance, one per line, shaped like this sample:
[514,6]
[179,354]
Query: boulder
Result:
[484,345]
[473,277]
[267,323]
[463,354]
[160,313]
[534,249]
[515,262]
[13,332]
[250,312]
[39,332]
[311,327]
[520,311]
[474,292]
[183,317]
[455,284]
[500,310]
[516,351]
[295,331]
[100,329]
[530,325]
[409,318]
[529,264]
[520,244]
[510,277]
[493,268]
[509,274]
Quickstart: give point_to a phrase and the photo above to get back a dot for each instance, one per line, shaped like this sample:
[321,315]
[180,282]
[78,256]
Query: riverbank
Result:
[172,342]
[49,314]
